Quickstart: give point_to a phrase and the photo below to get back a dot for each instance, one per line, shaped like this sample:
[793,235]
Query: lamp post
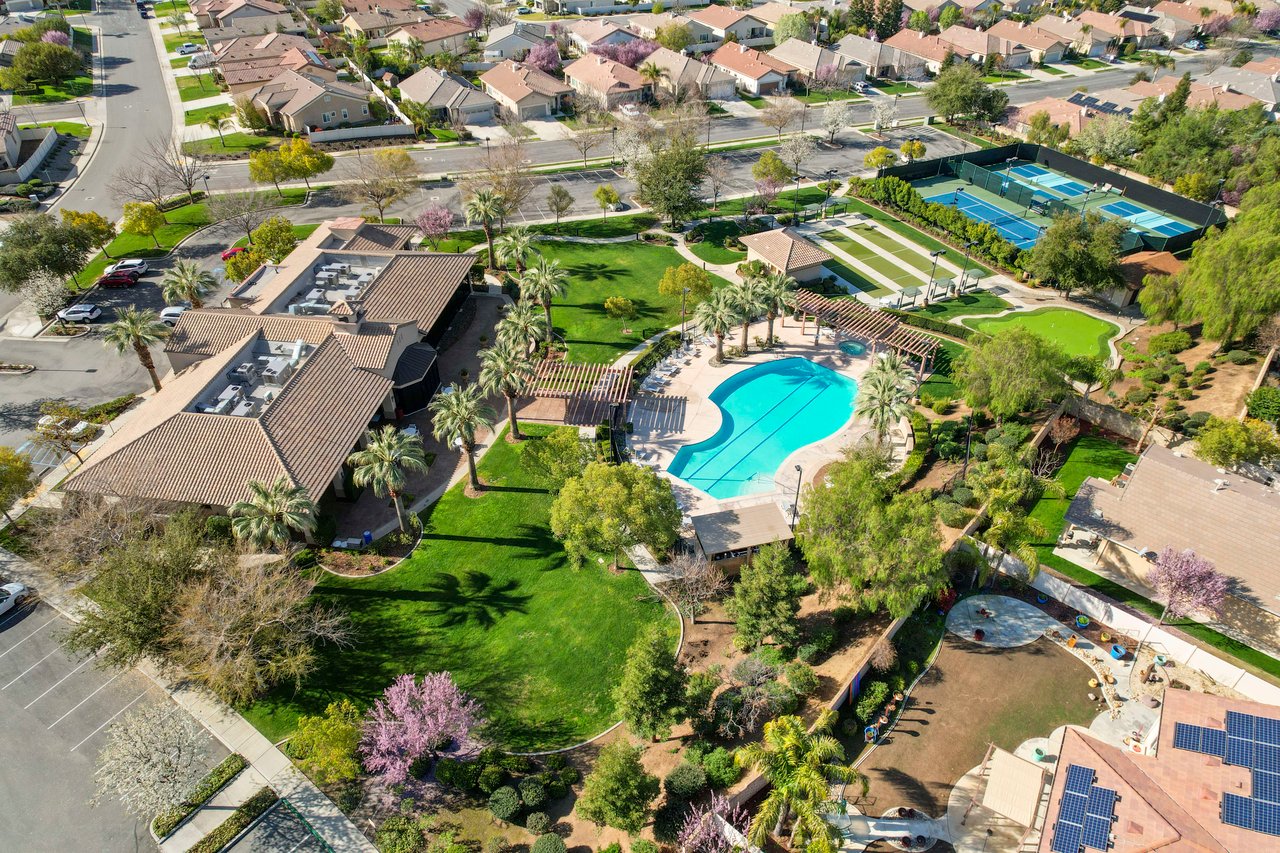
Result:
[683,294]
[205,178]
[826,189]
[1217,202]
[1084,205]
[932,271]
[965,272]
[613,145]
[795,504]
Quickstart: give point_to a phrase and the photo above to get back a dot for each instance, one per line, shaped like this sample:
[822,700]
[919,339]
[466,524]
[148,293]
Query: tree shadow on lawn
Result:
[471,599]
[931,798]
[593,270]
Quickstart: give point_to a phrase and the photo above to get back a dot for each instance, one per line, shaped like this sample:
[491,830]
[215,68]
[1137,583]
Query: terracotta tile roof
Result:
[771,12]
[968,41]
[435,29]
[208,331]
[1025,35]
[1173,500]
[290,91]
[808,58]
[593,30]
[785,250]
[749,62]
[1070,29]
[604,75]
[930,48]
[259,47]
[372,237]
[1114,25]
[384,18]
[517,82]
[1181,11]
[1201,94]
[416,286]
[263,70]
[721,17]
[1060,111]
[350,6]
[684,70]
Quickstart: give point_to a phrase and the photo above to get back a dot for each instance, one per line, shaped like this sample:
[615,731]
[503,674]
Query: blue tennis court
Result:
[1012,227]
[1146,219]
[1043,177]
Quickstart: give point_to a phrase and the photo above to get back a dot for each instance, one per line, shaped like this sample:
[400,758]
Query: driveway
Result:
[56,710]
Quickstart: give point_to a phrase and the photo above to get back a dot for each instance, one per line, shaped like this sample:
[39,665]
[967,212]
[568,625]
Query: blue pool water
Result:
[768,412]
[852,348]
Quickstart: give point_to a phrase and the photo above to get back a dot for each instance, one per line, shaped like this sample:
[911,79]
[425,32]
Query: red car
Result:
[118,279]
[233,251]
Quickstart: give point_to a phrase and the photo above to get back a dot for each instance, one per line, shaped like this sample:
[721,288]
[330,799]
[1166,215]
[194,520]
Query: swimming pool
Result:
[854,348]
[767,413]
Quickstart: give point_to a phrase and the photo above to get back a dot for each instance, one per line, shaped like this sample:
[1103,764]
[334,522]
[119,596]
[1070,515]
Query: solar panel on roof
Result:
[1072,808]
[1185,736]
[1079,778]
[1266,786]
[1266,757]
[1096,833]
[1239,752]
[1240,725]
[1267,730]
[1066,838]
[1213,742]
[1237,811]
[1102,802]
[1266,818]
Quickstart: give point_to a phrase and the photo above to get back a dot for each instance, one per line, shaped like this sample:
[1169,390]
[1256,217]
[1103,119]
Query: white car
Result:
[188,48]
[128,265]
[630,110]
[170,315]
[12,595]
[69,426]
[84,312]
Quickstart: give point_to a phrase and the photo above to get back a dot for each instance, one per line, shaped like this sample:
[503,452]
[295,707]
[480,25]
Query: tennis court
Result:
[1060,184]
[1011,226]
[1147,219]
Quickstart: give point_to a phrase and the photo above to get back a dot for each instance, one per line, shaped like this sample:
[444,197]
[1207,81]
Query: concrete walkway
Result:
[859,830]
[211,815]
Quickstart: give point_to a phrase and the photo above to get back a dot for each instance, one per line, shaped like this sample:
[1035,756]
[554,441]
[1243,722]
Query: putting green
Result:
[1076,332]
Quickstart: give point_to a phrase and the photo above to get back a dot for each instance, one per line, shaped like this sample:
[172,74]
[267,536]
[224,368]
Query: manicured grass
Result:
[940,385]
[784,203]
[918,237]
[49,93]
[820,98]
[614,226]
[173,41]
[443,134]
[180,62]
[164,10]
[856,278]
[202,114]
[489,597]
[1090,64]
[903,254]
[894,88]
[231,143]
[712,248]
[1005,77]
[758,103]
[193,88]
[598,271]
[1050,69]
[301,232]
[960,134]
[895,273]
[1076,332]
[66,128]
[966,304]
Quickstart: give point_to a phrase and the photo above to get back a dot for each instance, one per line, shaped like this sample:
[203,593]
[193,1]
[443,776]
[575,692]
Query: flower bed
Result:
[240,819]
[211,784]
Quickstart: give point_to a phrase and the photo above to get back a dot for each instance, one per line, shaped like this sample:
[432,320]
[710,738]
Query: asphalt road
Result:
[56,710]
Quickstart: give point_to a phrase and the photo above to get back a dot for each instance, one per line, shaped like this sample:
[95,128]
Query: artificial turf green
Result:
[1075,332]
[964,305]
[894,272]
[489,597]
[855,278]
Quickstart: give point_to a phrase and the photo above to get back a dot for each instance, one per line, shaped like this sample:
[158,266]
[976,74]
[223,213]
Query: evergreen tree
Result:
[766,599]
[618,791]
[650,695]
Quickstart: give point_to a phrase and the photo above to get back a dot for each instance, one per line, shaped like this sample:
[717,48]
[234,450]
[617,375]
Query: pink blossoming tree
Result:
[55,37]
[1188,583]
[434,223]
[416,720]
[701,831]
[545,57]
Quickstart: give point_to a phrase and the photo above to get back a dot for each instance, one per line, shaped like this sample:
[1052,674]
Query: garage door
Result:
[768,88]
[533,112]
[477,116]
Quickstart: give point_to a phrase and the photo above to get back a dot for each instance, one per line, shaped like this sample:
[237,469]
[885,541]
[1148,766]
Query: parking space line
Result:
[59,681]
[33,666]
[109,719]
[20,611]
[86,699]
[28,637]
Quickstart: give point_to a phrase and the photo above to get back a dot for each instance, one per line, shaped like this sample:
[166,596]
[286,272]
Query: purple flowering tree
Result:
[414,720]
[1268,20]
[630,54]
[1188,583]
[545,57]
[701,832]
[434,223]
[474,18]
[55,37]
[1215,26]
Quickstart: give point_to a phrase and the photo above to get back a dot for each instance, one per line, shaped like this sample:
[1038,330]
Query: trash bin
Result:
[368,537]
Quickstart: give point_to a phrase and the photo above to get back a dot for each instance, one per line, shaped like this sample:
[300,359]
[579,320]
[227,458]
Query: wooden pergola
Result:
[582,383]
[876,327]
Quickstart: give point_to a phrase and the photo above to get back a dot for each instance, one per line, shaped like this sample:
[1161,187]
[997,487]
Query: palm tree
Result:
[507,370]
[218,123]
[543,282]
[884,402]
[272,513]
[484,208]
[800,765]
[388,455]
[458,416]
[513,246]
[717,315]
[776,289]
[523,326]
[895,366]
[139,330]
[748,298]
[186,282]
[651,73]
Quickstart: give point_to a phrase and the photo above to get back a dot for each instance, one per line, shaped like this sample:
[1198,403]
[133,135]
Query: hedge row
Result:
[211,784]
[251,810]
[656,352]
[964,333]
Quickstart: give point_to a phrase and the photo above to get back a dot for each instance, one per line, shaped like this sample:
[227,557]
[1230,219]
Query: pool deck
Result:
[684,414]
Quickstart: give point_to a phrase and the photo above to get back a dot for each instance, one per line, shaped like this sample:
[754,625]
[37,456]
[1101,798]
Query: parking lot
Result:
[56,710]
[281,830]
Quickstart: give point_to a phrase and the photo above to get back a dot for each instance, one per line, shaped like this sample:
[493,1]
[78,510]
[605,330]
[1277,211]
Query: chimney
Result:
[1022,25]
[1220,485]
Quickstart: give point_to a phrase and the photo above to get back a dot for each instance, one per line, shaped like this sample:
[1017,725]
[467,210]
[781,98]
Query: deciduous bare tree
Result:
[780,114]
[142,181]
[245,210]
[380,179]
[503,168]
[165,155]
[85,527]
[694,581]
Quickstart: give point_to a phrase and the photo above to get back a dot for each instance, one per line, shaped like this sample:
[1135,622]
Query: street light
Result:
[1217,200]
[205,178]
[929,292]
[684,293]
[1085,204]
[795,505]
[965,272]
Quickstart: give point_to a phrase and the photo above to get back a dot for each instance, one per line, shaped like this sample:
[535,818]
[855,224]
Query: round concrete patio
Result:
[1008,622]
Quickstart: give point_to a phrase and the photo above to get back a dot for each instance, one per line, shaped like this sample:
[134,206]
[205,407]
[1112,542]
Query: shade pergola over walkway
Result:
[584,383]
[1013,789]
[853,318]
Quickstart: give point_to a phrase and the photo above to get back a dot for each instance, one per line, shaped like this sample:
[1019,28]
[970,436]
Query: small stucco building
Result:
[787,252]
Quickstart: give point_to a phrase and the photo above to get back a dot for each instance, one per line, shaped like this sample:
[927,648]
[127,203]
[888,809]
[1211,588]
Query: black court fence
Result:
[1202,216]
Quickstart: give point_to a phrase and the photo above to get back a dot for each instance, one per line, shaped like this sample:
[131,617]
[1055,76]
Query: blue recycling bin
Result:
[368,537]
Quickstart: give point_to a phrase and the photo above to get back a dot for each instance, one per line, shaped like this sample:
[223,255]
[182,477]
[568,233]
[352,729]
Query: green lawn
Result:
[301,232]
[1005,76]
[940,385]
[712,248]
[598,271]
[173,41]
[1050,69]
[231,143]
[1094,456]
[444,134]
[856,278]
[180,62]
[894,88]
[76,87]
[966,304]
[758,103]
[489,597]
[1076,332]
[193,88]
[614,226]
[201,114]
[821,98]
[960,134]
[784,203]
[903,254]
[918,237]
[164,10]
[1089,64]
[66,128]
[894,272]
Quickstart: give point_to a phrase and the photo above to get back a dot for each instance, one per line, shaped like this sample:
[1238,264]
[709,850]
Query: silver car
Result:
[12,595]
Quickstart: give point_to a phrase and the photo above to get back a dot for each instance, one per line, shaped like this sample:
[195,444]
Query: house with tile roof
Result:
[755,72]
[880,59]
[1084,40]
[301,102]
[450,97]
[374,25]
[1121,31]
[646,25]
[929,50]
[684,74]
[977,45]
[1263,87]
[523,92]
[1204,92]
[815,64]
[222,13]
[589,8]
[1168,19]
[437,35]
[1061,112]
[592,32]
[1042,47]
[746,29]
[248,71]
[787,252]
[607,83]
[514,40]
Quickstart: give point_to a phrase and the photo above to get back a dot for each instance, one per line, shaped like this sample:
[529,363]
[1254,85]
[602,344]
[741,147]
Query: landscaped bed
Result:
[711,248]
[490,597]
[1075,332]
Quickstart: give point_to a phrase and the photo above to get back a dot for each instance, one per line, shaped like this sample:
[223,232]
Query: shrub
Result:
[491,778]
[920,321]
[548,843]
[217,528]
[1264,404]
[457,774]
[1137,396]
[213,781]
[801,678]
[644,845]
[1195,422]
[505,803]
[1239,356]
[537,822]
[685,782]
[964,496]
[532,793]
[515,763]
[667,820]
[870,700]
[615,847]
[1169,342]
[246,814]
[720,769]
[824,638]
[556,762]
[570,776]
[941,406]
[952,514]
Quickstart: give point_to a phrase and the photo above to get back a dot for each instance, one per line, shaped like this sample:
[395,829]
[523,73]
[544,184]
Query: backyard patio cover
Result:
[735,529]
[596,383]
[1014,787]
[854,318]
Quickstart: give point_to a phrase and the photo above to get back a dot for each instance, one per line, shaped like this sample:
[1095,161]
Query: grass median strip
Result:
[253,808]
[211,784]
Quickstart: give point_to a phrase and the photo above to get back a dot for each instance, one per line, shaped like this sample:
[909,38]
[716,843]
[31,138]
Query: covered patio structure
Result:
[1009,790]
[861,321]
[577,394]
[729,537]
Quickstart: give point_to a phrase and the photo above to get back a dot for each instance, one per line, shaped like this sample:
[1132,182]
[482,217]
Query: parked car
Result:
[1194,44]
[133,266]
[84,312]
[71,426]
[171,314]
[118,279]
[523,10]
[12,595]
[187,48]
[630,110]
[233,251]
[860,87]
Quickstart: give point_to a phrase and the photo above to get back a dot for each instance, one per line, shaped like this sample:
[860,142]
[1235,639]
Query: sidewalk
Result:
[210,816]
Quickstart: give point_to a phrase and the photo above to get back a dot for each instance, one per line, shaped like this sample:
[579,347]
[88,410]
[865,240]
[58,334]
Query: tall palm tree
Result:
[523,326]
[388,455]
[884,402]
[800,766]
[484,208]
[776,289]
[139,330]
[651,73]
[514,246]
[542,283]
[218,123]
[186,282]
[748,298]
[894,365]
[272,513]
[717,315]
[507,370]
[458,416]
